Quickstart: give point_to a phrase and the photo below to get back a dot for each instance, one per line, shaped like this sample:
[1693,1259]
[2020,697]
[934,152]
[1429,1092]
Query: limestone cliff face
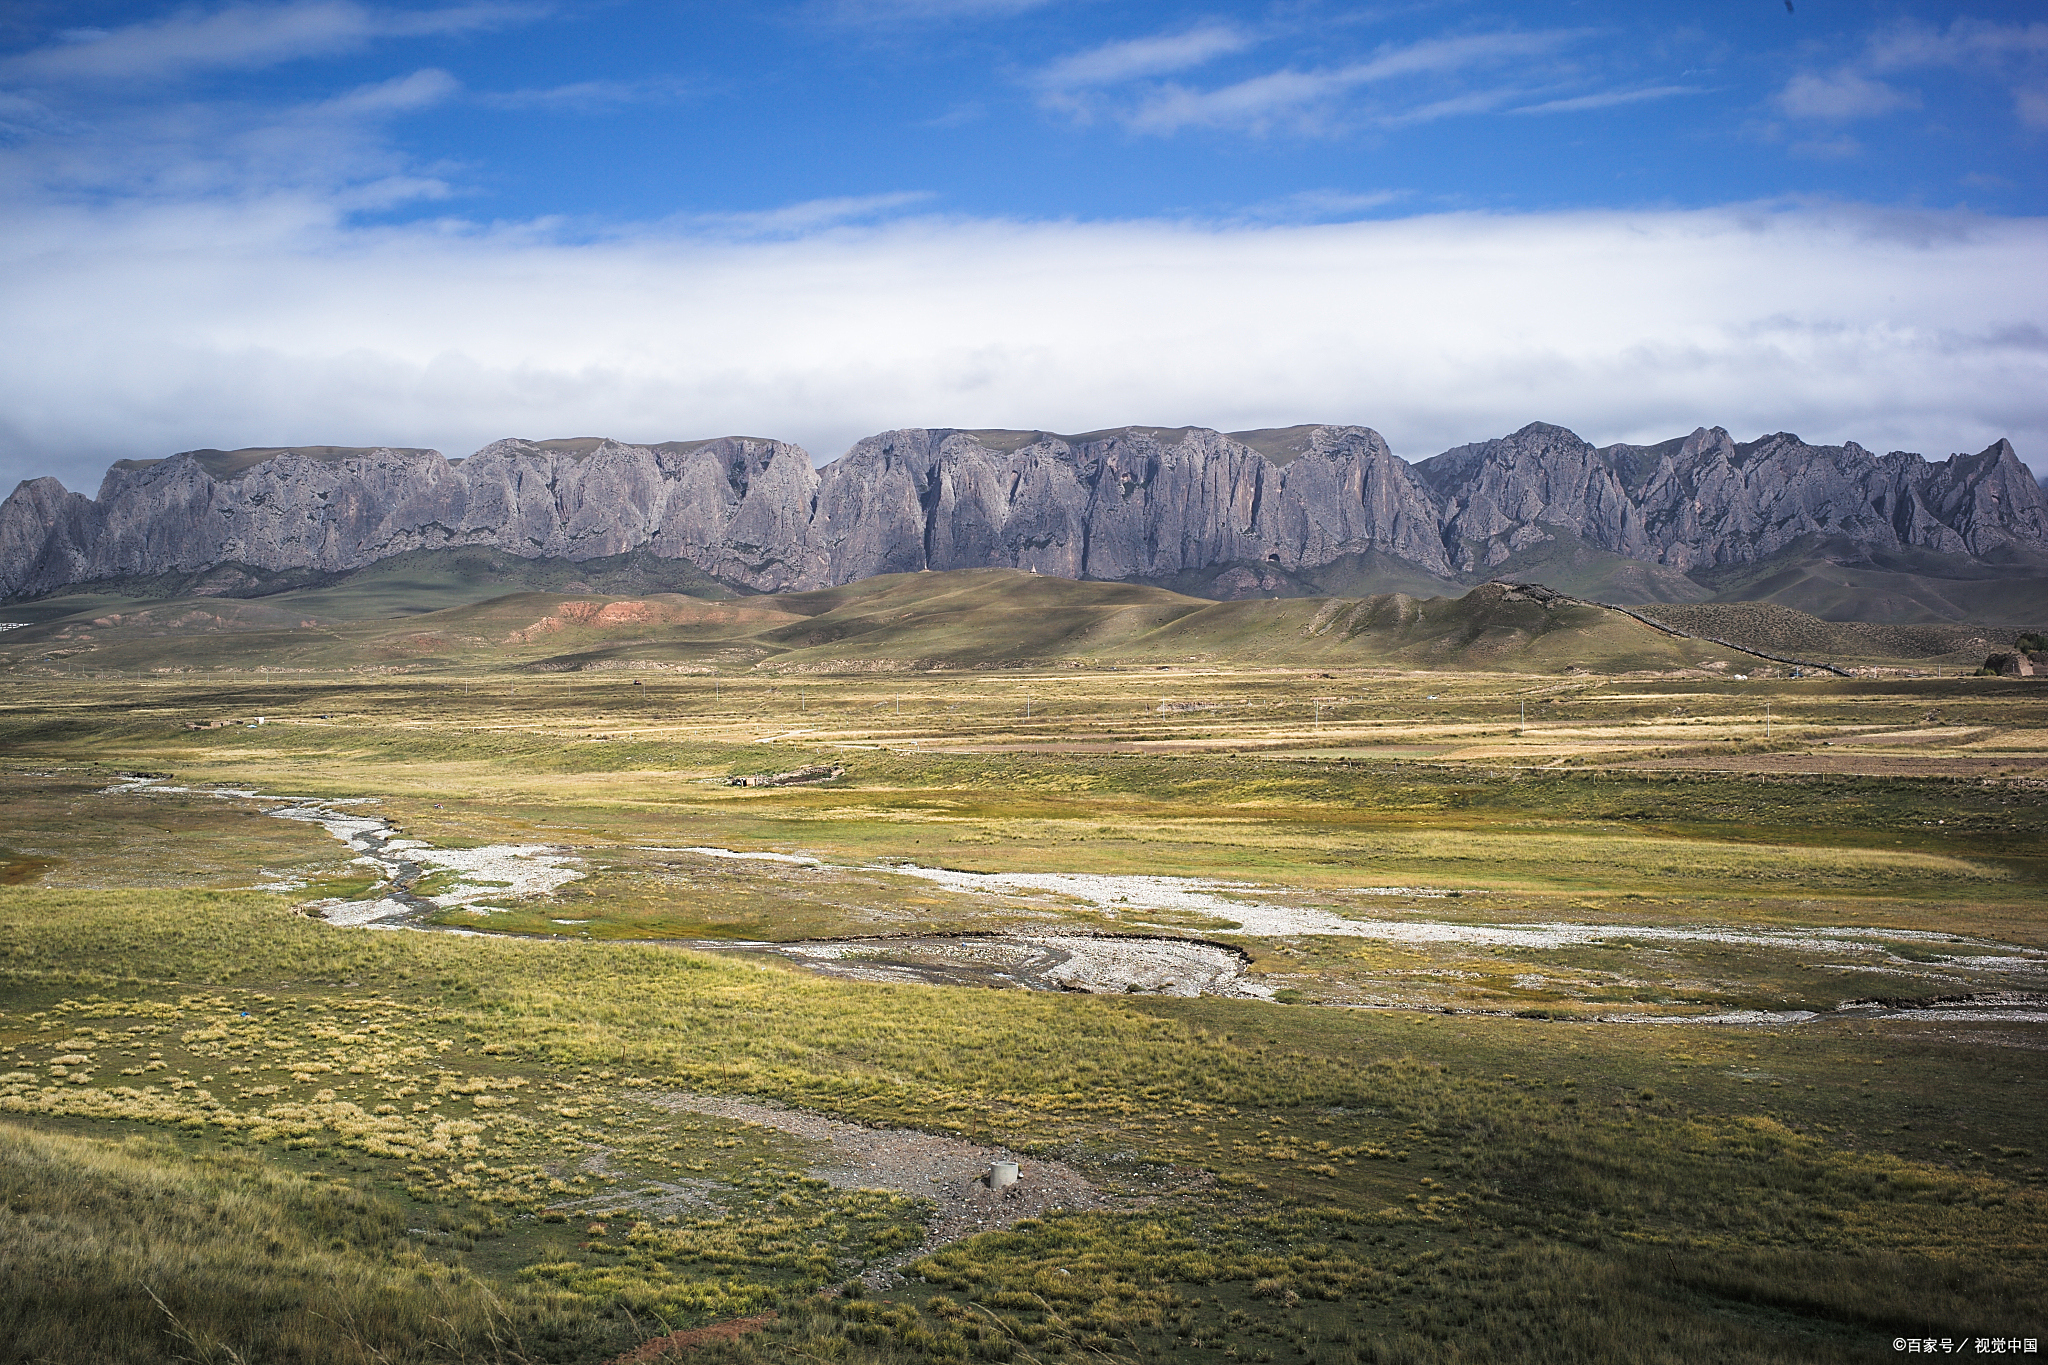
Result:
[291,512]
[1705,500]
[1499,495]
[1134,502]
[739,507]
[42,527]
[1988,500]
[1346,493]
[1137,502]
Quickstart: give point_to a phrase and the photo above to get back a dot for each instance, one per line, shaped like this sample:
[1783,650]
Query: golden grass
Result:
[136,1251]
[1386,1184]
[1492,1156]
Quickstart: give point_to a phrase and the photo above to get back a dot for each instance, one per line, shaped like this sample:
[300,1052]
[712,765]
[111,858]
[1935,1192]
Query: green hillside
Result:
[1568,564]
[1840,581]
[1784,630]
[420,581]
[968,619]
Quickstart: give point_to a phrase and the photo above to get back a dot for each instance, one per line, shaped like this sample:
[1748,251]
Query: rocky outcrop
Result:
[2018,664]
[44,529]
[738,507]
[1499,495]
[1706,500]
[1252,511]
[1137,502]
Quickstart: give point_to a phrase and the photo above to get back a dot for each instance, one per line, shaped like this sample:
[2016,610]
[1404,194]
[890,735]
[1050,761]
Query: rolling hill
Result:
[967,619]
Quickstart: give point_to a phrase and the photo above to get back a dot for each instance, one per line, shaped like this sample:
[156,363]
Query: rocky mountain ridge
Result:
[1248,512]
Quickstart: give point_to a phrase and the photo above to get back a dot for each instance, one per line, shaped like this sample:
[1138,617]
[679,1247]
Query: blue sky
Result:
[333,221]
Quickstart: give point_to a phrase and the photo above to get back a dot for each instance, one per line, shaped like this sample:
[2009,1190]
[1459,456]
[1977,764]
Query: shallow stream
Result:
[478,875]
[1155,957]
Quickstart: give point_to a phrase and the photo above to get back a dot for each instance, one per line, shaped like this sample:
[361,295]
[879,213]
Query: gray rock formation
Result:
[1706,500]
[1136,502]
[1253,509]
[738,507]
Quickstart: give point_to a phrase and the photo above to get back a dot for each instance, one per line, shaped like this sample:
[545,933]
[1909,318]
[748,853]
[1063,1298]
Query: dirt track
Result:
[946,1171]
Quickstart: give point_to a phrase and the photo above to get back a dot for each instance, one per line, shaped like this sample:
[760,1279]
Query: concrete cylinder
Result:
[1001,1175]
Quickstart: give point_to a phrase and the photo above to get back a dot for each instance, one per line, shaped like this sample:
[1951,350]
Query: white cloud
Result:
[582,97]
[1456,106]
[142,329]
[959,116]
[2014,54]
[241,37]
[1456,54]
[811,215]
[1131,58]
[334,149]
[1608,99]
[1311,100]
[1966,42]
[1317,206]
[22,116]
[2030,103]
[1251,105]
[1842,94]
[399,95]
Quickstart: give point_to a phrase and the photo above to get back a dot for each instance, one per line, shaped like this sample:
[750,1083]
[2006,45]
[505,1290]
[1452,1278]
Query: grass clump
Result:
[786,1234]
[138,1251]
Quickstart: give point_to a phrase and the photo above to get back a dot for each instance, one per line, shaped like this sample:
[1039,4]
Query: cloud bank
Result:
[141,332]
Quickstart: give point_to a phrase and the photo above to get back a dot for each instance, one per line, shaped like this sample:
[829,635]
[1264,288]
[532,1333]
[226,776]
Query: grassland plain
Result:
[236,1132]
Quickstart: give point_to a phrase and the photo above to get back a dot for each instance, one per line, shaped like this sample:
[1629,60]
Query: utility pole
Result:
[1525,714]
[1767,720]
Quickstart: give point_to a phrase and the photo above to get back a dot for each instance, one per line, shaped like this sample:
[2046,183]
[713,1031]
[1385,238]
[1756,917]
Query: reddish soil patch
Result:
[676,1344]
